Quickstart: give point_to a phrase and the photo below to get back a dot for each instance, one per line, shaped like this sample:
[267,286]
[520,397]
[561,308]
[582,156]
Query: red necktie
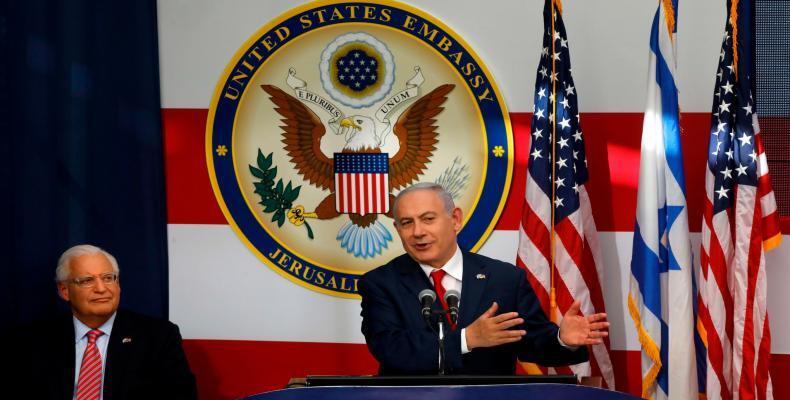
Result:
[89,382]
[437,276]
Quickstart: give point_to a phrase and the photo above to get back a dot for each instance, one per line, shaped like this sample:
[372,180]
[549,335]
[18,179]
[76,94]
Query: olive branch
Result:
[276,198]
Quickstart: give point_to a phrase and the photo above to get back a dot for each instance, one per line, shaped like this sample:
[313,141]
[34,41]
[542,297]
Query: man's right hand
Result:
[491,330]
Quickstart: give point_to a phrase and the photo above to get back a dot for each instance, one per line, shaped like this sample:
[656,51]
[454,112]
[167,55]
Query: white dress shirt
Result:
[454,273]
[81,343]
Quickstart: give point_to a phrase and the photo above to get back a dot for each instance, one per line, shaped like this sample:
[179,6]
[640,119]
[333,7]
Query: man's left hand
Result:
[578,330]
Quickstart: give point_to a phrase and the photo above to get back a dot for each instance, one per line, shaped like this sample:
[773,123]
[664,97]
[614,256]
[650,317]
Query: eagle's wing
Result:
[302,133]
[416,134]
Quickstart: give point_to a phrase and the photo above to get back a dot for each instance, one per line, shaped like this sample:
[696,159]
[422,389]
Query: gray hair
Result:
[444,195]
[63,270]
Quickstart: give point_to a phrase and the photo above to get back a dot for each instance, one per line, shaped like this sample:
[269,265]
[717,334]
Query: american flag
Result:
[557,173]
[740,222]
[362,183]
[660,296]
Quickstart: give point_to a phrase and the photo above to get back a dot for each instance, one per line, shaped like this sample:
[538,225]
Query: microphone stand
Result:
[441,344]
[440,335]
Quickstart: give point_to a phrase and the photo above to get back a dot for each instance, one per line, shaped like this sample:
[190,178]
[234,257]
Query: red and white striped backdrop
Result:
[247,329]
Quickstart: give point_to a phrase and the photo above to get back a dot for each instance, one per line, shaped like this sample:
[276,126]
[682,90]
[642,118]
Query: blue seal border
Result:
[222,113]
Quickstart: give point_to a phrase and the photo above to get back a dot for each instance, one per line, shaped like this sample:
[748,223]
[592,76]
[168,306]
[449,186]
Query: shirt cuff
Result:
[464,347]
[574,348]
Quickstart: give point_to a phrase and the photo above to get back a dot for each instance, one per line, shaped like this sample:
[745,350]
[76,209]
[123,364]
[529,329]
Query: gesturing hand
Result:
[491,330]
[577,330]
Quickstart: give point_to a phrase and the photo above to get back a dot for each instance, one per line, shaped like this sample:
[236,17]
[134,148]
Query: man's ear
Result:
[63,291]
[458,219]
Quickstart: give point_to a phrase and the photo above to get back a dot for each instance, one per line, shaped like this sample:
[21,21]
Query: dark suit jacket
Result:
[403,343]
[145,360]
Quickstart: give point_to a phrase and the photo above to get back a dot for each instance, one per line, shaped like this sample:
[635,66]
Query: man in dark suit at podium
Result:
[499,319]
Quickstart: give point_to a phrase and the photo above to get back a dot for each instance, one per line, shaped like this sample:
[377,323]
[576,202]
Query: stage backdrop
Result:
[82,150]
[248,328]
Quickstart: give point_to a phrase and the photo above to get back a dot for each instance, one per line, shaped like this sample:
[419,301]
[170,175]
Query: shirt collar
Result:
[80,329]
[454,266]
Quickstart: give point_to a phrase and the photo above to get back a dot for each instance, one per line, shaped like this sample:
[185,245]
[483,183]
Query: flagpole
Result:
[734,24]
[557,236]
[552,290]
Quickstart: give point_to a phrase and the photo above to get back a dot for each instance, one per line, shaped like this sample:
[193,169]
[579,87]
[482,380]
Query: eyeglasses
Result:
[109,278]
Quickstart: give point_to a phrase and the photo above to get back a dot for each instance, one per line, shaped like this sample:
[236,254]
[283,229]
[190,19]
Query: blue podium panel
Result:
[509,392]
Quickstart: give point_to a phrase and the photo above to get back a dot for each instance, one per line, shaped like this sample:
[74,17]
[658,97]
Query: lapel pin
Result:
[481,276]
[126,340]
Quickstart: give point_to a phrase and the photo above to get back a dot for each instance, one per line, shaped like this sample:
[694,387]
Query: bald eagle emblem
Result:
[395,155]
[328,112]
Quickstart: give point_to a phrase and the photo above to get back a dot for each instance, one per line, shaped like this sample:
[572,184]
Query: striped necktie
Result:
[89,382]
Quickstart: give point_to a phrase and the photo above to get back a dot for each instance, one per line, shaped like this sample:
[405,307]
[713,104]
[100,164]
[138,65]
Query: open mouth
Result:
[422,246]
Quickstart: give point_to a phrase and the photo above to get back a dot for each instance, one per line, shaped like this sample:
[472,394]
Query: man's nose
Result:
[418,229]
[100,286]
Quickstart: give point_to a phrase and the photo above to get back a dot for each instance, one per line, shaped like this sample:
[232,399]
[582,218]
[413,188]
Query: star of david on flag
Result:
[660,299]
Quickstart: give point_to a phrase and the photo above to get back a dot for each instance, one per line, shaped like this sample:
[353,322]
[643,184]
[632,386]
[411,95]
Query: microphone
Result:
[427,297]
[452,298]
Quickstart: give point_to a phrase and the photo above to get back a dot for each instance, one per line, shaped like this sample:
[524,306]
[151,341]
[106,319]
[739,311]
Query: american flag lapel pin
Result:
[126,340]
[481,276]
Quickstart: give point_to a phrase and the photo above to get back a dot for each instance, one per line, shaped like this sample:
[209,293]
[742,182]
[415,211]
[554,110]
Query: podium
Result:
[441,388]
[433,380]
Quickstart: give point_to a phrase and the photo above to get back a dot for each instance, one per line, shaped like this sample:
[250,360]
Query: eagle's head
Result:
[360,133]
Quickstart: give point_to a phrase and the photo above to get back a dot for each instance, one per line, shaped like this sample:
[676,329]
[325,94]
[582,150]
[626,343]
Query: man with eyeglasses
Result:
[101,352]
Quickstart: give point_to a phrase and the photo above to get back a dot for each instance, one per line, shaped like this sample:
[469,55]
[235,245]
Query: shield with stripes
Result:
[362,183]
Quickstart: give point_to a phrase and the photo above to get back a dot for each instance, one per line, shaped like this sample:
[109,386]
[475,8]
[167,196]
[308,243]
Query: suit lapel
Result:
[415,281]
[117,355]
[472,288]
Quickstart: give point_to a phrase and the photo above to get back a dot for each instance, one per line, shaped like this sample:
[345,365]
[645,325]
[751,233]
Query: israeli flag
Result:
[660,296]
